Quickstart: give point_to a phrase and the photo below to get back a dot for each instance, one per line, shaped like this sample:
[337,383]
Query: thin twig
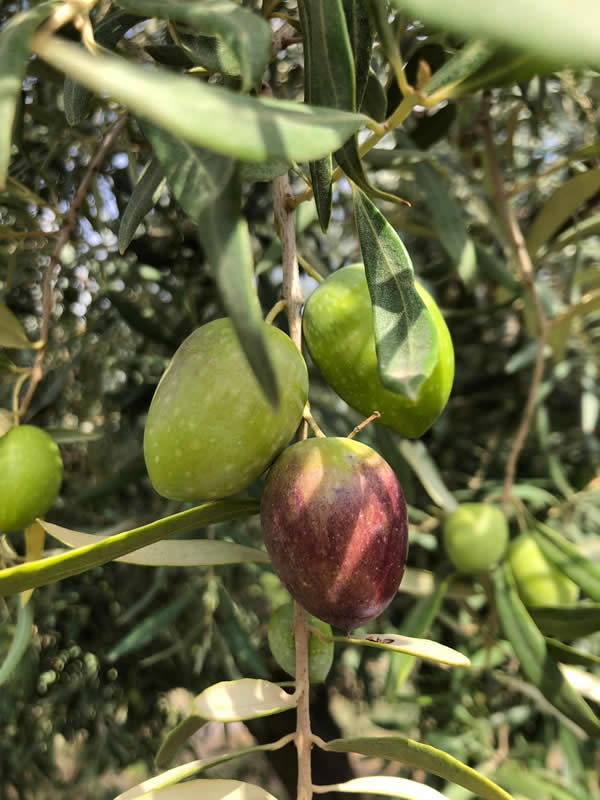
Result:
[292,294]
[363,424]
[69,222]
[527,274]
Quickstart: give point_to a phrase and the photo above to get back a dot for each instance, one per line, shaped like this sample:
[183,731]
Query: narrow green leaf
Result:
[568,623]
[107,33]
[247,698]
[425,468]
[210,790]
[560,552]
[175,739]
[246,34]
[384,785]
[321,172]
[418,648]
[19,643]
[417,623]
[421,756]
[196,176]
[56,568]
[203,114]
[252,172]
[507,67]
[11,330]
[577,233]
[529,783]
[177,774]
[560,207]
[142,201]
[565,654]
[583,682]
[536,662]
[360,34]
[405,336]
[178,553]
[15,39]
[374,101]
[448,222]
[209,52]
[493,268]
[224,235]
[568,38]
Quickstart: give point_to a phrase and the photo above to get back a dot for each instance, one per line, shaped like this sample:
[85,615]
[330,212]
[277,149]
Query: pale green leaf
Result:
[143,198]
[570,35]
[19,643]
[421,756]
[56,568]
[420,648]
[583,682]
[247,698]
[178,553]
[405,335]
[11,330]
[15,39]
[418,458]
[210,790]
[245,33]
[385,785]
[203,114]
[576,233]
[568,622]
[561,206]
[458,68]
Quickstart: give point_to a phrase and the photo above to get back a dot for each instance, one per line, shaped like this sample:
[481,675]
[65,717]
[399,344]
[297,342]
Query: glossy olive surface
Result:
[335,525]
[475,537]
[210,431]
[31,471]
[538,581]
[338,331]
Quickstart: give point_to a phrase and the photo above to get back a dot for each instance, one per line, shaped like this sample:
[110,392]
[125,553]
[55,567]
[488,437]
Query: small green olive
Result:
[475,537]
[539,582]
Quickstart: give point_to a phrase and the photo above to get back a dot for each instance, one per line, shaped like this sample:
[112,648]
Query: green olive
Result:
[539,582]
[338,331]
[475,537]
[31,472]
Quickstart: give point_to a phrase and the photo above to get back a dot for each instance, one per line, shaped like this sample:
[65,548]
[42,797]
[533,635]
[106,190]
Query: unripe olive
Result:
[475,537]
[338,331]
[283,645]
[538,581]
[31,472]
[210,431]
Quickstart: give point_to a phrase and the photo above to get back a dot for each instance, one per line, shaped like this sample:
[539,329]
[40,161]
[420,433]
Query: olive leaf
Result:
[178,553]
[56,568]
[568,559]
[385,785]
[213,789]
[246,34]
[11,330]
[537,664]
[421,756]
[405,335]
[15,39]
[568,623]
[142,201]
[19,642]
[419,648]
[202,113]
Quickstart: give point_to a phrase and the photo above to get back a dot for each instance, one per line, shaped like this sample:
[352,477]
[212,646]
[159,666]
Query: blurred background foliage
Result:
[116,651]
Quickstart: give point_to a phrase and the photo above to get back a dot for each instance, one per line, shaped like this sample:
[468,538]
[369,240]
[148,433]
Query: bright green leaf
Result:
[421,756]
[210,790]
[56,568]
[11,330]
[384,785]
[178,553]
[247,698]
[203,114]
[405,336]
[420,648]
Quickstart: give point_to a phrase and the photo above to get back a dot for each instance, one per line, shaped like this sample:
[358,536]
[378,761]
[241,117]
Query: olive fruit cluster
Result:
[31,472]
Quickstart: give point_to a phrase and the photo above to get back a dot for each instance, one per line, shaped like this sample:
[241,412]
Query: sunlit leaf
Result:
[210,790]
[384,785]
[569,38]
[405,336]
[421,756]
[56,568]
[11,330]
[178,553]
[203,114]
[420,648]
[246,698]
[584,682]
[560,552]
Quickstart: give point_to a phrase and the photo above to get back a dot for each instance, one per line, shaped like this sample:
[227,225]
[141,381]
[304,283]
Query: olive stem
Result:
[527,273]
[312,423]
[292,295]
[363,424]
[309,269]
[277,309]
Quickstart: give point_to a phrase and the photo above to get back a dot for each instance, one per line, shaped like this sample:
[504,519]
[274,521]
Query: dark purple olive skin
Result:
[334,521]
